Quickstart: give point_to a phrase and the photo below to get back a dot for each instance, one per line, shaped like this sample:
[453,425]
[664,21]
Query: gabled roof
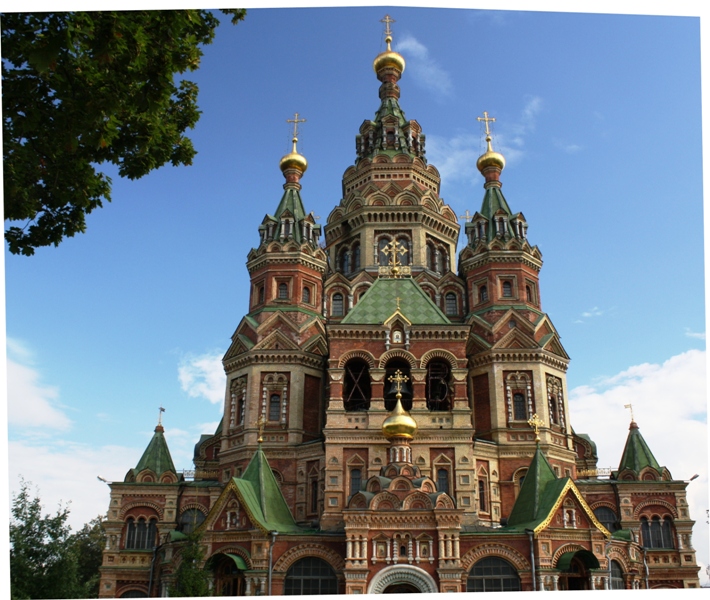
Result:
[637,455]
[380,302]
[156,456]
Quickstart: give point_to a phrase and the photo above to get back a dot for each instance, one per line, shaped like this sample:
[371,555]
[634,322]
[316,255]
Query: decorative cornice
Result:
[500,256]
[514,355]
[269,357]
[287,258]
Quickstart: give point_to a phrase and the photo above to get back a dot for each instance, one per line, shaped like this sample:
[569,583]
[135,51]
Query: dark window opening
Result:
[507,289]
[438,390]
[337,305]
[190,520]
[274,407]
[528,293]
[381,244]
[451,304]
[283,291]
[314,496]
[520,412]
[310,576]
[261,294]
[140,535]
[482,500]
[442,480]
[607,517]
[493,575]
[356,387]
[617,576]
[483,294]
[355,481]
[306,296]
[657,534]
[356,257]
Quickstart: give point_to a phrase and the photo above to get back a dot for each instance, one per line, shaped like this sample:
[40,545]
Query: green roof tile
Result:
[380,302]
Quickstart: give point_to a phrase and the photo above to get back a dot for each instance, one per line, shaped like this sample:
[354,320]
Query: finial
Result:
[161,410]
[388,32]
[398,379]
[485,118]
[631,409]
[491,163]
[294,162]
[536,422]
[467,216]
[260,426]
[395,268]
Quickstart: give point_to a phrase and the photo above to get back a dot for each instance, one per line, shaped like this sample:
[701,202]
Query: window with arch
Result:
[356,257]
[451,304]
[283,291]
[482,496]
[314,495]
[310,576]
[356,386]
[261,294]
[381,244]
[274,407]
[438,385]
[394,365]
[607,517]
[520,412]
[529,294]
[406,257]
[306,295]
[140,533]
[355,481]
[507,289]
[190,520]
[344,260]
[493,574]
[657,533]
[617,576]
[134,594]
[483,293]
[336,305]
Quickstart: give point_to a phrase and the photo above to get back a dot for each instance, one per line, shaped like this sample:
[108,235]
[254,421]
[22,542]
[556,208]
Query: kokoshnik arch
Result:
[395,419]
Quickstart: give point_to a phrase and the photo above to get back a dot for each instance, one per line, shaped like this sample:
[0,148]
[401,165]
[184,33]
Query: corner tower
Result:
[275,365]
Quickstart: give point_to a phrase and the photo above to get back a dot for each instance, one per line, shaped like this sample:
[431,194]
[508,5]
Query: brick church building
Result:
[396,417]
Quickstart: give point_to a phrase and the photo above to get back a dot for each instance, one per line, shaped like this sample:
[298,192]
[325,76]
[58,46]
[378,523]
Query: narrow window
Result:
[438,390]
[483,294]
[507,289]
[442,480]
[306,296]
[451,304]
[283,291]
[482,506]
[519,411]
[274,407]
[314,495]
[261,294]
[667,533]
[337,305]
[356,257]
[355,481]
[130,533]
[528,293]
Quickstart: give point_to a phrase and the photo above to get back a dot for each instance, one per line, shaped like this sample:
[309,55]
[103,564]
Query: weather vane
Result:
[631,408]
[161,410]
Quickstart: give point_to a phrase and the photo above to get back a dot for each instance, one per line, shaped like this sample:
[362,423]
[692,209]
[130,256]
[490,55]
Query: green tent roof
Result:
[156,456]
[380,302]
[262,497]
[637,455]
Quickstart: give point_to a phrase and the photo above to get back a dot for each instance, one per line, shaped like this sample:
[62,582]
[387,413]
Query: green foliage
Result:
[190,578]
[46,559]
[84,88]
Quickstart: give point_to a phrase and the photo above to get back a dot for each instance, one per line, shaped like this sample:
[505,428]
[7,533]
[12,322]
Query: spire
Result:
[156,457]
[637,456]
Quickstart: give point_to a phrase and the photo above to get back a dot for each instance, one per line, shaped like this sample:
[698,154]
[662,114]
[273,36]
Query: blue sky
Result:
[599,118]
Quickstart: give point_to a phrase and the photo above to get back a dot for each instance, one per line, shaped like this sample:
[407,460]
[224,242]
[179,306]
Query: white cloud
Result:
[424,69]
[670,406]
[31,403]
[699,335]
[203,377]
[568,148]
[595,312]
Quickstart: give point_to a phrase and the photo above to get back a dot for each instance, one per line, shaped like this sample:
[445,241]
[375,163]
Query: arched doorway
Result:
[402,588]
[402,579]
[228,572]
[575,569]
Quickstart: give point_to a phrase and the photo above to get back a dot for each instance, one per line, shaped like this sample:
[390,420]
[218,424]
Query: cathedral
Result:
[396,417]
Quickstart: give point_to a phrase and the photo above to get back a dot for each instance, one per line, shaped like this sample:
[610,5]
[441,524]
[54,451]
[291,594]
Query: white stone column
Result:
[349,551]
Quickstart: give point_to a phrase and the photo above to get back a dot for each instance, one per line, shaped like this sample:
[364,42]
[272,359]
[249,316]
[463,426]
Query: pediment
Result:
[579,514]
[275,321]
[218,518]
[236,348]
[515,339]
[316,345]
[476,344]
[553,345]
[276,340]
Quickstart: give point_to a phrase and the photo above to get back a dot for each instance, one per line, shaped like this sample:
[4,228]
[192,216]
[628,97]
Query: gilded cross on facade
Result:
[394,269]
[295,122]
[487,120]
[260,426]
[467,216]
[631,408]
[536,422]
[161,410]
[397,299]
[398,379]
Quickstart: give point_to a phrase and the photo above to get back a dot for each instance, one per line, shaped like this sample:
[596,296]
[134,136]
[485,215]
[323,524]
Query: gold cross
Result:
[397,302]
[387,20]
[295,122]
[631,408]
[398,379]
[260,426]
[486,119]
[466,217]
[536,422]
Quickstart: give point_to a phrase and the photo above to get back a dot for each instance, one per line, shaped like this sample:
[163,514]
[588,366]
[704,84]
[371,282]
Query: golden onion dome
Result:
[294,160]
[388,58]
[490,158]
[399,423]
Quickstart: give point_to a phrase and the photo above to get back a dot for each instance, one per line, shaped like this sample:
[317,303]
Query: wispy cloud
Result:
[425,71]
[202,376]
[32,404]
[595,312]
[592,313]
[567,147]
[668,398]
[698,335]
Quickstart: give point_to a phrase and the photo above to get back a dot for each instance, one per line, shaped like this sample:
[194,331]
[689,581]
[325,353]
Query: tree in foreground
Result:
[84,88]
[191,579]
[88,546]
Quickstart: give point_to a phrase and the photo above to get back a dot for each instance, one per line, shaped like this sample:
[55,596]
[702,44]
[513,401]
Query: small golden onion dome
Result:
[294,160]
[388,58]
[399,423]
[490,158]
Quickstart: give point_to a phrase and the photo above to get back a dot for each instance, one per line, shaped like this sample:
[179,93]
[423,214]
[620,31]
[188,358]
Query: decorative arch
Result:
[417,501]
[384,498]
[238,550]
[143,589]
[494,550]
[188,505]
[564,550]
[621,557]
[140,504]
[363,354]
[439,353]
[603,503]
[656,502]
[399,353]
[444,501]
[393,574]
[309,549]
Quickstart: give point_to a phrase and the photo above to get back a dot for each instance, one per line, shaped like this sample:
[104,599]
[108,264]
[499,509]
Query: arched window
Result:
[442,480]
[483,293]
[617,576]
[405,258]
[356,386]
[607,517]
[356,256]
[336,307]
[261,294]
[657,534]
[438,391]
[528,293]
[140,535]
[381,243]
[344,261]
[190,520]
[355,481]
[520,412]
[134,594]
[667,533]
[507,289]
[310,576]
[283,291]
[274,407]
[493,574]
[314,495]
[394,365]
[451,304]
[306,295]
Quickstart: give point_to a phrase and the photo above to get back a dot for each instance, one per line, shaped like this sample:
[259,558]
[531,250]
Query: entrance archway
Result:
[402,579]
[575,569]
